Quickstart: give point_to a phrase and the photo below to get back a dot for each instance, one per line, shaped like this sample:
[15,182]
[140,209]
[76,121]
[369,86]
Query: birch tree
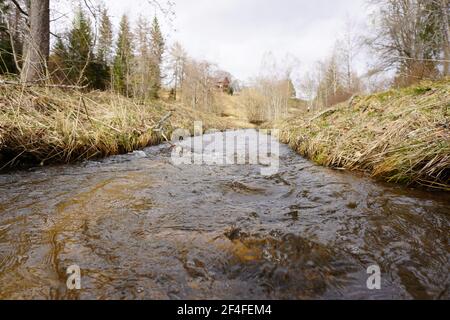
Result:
[178,58]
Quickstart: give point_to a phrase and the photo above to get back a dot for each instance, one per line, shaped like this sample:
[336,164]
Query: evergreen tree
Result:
[102,65]
[157,39]
[58,62]
[123,58]
[7,63]
[80,64]
[105,41]
[157,49]
[142,77]
[80,48]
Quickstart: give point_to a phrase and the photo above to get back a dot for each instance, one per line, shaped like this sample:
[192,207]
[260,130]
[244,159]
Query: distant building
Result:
[223,84]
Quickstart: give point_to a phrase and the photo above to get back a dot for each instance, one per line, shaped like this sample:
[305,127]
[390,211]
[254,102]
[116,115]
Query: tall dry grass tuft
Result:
[254,104]
[401,136]
[50,125]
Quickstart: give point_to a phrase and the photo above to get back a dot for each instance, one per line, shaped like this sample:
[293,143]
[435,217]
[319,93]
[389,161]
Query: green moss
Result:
[416,91]
[384,96]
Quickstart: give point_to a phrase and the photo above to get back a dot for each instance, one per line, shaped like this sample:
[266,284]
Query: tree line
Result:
[408,39]
[407,42]
[88,55]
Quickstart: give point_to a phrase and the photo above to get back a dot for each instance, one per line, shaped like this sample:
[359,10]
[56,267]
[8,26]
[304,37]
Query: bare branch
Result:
[36,84]
[13,47]
[22,11]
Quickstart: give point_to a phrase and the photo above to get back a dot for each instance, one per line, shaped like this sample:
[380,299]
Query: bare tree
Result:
[199,85]
[347,49]
[308,88]
[178,59]
[275,86]
[410,36]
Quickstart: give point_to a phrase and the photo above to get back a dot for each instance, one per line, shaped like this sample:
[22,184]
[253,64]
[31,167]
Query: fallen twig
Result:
[158,127]
[35,84]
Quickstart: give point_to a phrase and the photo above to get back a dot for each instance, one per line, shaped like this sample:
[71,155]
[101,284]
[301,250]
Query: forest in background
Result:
[92,92]
[135,62]
[405,42]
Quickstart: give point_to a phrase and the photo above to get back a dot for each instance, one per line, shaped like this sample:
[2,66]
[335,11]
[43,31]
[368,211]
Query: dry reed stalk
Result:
[54,125]
[401,136]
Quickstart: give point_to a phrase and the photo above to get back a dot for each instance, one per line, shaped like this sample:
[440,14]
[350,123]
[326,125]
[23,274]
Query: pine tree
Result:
[157,39]
[80,48]
[105,40]
[102,65]
[142,77]
[7,63]
[123,58]
[58,62]
[158,44]
[77,59]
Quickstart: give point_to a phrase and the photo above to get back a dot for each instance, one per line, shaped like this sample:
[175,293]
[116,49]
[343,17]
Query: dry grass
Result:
[43,125]
[401,136]
[234,110]
[255,105]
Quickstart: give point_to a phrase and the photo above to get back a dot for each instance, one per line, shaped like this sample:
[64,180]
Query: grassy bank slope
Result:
[401,136]
[48,125]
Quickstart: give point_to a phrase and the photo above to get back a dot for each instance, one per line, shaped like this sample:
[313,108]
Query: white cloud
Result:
[236,33]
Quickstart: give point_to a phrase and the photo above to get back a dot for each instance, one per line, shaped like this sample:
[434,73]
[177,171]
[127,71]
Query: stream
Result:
[140,227]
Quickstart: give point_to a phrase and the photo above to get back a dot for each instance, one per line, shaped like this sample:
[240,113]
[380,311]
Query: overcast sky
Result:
[236,34]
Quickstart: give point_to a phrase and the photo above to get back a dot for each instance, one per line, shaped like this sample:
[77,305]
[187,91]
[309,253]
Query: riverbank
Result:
[51,125]
[400,136]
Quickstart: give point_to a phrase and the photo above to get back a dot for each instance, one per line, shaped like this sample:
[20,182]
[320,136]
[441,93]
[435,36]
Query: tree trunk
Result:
[444,8]
[37,44]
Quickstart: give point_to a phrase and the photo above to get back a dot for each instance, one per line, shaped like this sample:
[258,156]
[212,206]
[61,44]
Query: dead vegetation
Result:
[401,136]
[51,125]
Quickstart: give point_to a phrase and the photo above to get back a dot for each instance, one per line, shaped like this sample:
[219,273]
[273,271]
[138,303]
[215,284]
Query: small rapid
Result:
[140,227]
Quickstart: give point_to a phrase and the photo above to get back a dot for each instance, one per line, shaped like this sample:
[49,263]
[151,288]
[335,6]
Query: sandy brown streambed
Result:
[140,227]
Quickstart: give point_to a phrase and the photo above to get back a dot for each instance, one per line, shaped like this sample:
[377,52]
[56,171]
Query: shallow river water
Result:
[140,227]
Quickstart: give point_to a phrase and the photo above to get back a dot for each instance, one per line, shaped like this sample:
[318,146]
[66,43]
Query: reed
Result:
[52,125]
[400,136]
